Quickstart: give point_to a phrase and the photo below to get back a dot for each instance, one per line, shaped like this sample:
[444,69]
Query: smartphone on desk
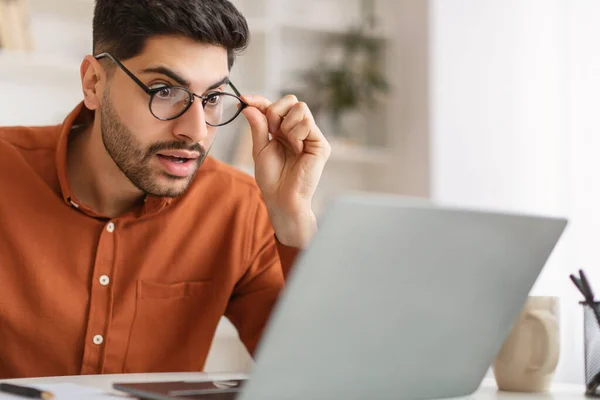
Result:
[190,390]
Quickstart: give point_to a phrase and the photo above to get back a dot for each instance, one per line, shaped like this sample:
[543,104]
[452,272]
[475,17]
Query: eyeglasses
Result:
[169,102]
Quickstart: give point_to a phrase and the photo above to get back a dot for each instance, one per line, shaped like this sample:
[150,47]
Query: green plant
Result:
[350,76]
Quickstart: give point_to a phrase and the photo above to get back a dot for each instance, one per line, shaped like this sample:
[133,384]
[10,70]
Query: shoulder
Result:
[28,155]
[25,139]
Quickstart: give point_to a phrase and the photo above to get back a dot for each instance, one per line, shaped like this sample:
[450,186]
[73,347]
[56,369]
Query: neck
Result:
[95,179]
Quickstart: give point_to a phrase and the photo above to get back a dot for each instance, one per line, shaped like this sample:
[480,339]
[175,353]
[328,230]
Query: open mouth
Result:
[178,166]
[178,160]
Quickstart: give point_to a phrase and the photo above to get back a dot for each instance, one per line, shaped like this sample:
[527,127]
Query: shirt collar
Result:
[152,204]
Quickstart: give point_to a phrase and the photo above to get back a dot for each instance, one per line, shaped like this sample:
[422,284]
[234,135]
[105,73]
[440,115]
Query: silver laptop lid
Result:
[400,299]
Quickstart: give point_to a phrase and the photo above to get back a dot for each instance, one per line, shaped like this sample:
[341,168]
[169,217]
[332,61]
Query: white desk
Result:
[488,390]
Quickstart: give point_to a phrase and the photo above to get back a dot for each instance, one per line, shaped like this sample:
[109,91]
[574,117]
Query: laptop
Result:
[395,298]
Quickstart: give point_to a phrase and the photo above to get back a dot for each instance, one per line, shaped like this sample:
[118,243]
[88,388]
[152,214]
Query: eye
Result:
[165,92]
[213,99]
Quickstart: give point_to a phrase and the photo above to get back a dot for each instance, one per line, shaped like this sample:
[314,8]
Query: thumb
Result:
[259,127]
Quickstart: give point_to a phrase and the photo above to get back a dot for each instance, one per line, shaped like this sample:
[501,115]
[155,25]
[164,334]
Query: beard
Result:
[135,161]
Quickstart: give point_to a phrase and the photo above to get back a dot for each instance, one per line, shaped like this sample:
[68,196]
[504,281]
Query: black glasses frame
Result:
[153,92]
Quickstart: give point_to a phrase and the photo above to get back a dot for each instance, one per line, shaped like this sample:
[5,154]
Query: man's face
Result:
[161,157]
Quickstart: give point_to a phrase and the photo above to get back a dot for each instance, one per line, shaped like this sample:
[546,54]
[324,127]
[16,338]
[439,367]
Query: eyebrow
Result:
[170,73]
[181,80]
[223,81]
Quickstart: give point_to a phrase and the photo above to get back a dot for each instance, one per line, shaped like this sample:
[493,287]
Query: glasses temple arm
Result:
[124,69]
[237,92]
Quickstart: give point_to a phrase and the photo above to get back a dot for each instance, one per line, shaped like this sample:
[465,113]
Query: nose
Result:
[191,126]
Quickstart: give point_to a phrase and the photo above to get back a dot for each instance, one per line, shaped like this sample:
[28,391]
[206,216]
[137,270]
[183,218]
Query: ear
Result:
[93,79]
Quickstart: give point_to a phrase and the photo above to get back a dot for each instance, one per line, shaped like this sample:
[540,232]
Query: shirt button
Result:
[110,227]
[104,280]
[98,339]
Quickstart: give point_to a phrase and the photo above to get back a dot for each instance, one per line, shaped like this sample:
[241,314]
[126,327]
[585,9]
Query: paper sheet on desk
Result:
[70,391]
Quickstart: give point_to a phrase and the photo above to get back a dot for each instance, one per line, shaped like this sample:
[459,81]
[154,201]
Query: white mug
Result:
[529,355]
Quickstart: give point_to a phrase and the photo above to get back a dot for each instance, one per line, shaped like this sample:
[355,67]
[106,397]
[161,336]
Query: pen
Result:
[591,300]
[23,391]
[577,283]
[584,287]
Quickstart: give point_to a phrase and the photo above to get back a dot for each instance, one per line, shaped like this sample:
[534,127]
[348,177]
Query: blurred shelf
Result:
[259,25]
[77,9]
[345,152]
[48,84]
[19,65]
[304,27]
[253,9]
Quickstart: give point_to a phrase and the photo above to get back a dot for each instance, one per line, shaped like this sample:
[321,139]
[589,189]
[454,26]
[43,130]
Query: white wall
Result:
[497,96]
[515,86]
[582,127]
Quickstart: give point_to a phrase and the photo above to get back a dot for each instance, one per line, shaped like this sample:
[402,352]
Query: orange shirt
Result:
[84,294]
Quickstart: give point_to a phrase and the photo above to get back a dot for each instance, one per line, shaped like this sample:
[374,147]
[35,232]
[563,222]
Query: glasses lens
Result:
[169,102]
[221,108]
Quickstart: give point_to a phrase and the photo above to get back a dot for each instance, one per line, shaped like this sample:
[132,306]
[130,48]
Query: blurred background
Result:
[479,103]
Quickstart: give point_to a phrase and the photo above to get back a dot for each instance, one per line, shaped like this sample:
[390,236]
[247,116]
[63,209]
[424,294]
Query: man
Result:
[122,242]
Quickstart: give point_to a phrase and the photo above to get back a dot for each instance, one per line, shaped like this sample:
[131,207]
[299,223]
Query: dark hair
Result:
[122,27]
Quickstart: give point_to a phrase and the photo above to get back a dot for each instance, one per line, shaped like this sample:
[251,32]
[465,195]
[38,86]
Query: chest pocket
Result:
[172,328]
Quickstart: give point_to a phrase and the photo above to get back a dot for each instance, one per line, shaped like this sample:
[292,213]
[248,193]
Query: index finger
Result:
[257,101]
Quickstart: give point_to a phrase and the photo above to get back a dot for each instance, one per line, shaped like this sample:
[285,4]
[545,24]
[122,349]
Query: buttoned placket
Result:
[100,301]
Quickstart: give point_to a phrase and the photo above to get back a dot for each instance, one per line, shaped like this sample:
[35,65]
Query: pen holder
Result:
[591,342]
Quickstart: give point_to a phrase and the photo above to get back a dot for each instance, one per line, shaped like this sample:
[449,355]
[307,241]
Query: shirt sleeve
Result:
[255,294]
[287,256]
